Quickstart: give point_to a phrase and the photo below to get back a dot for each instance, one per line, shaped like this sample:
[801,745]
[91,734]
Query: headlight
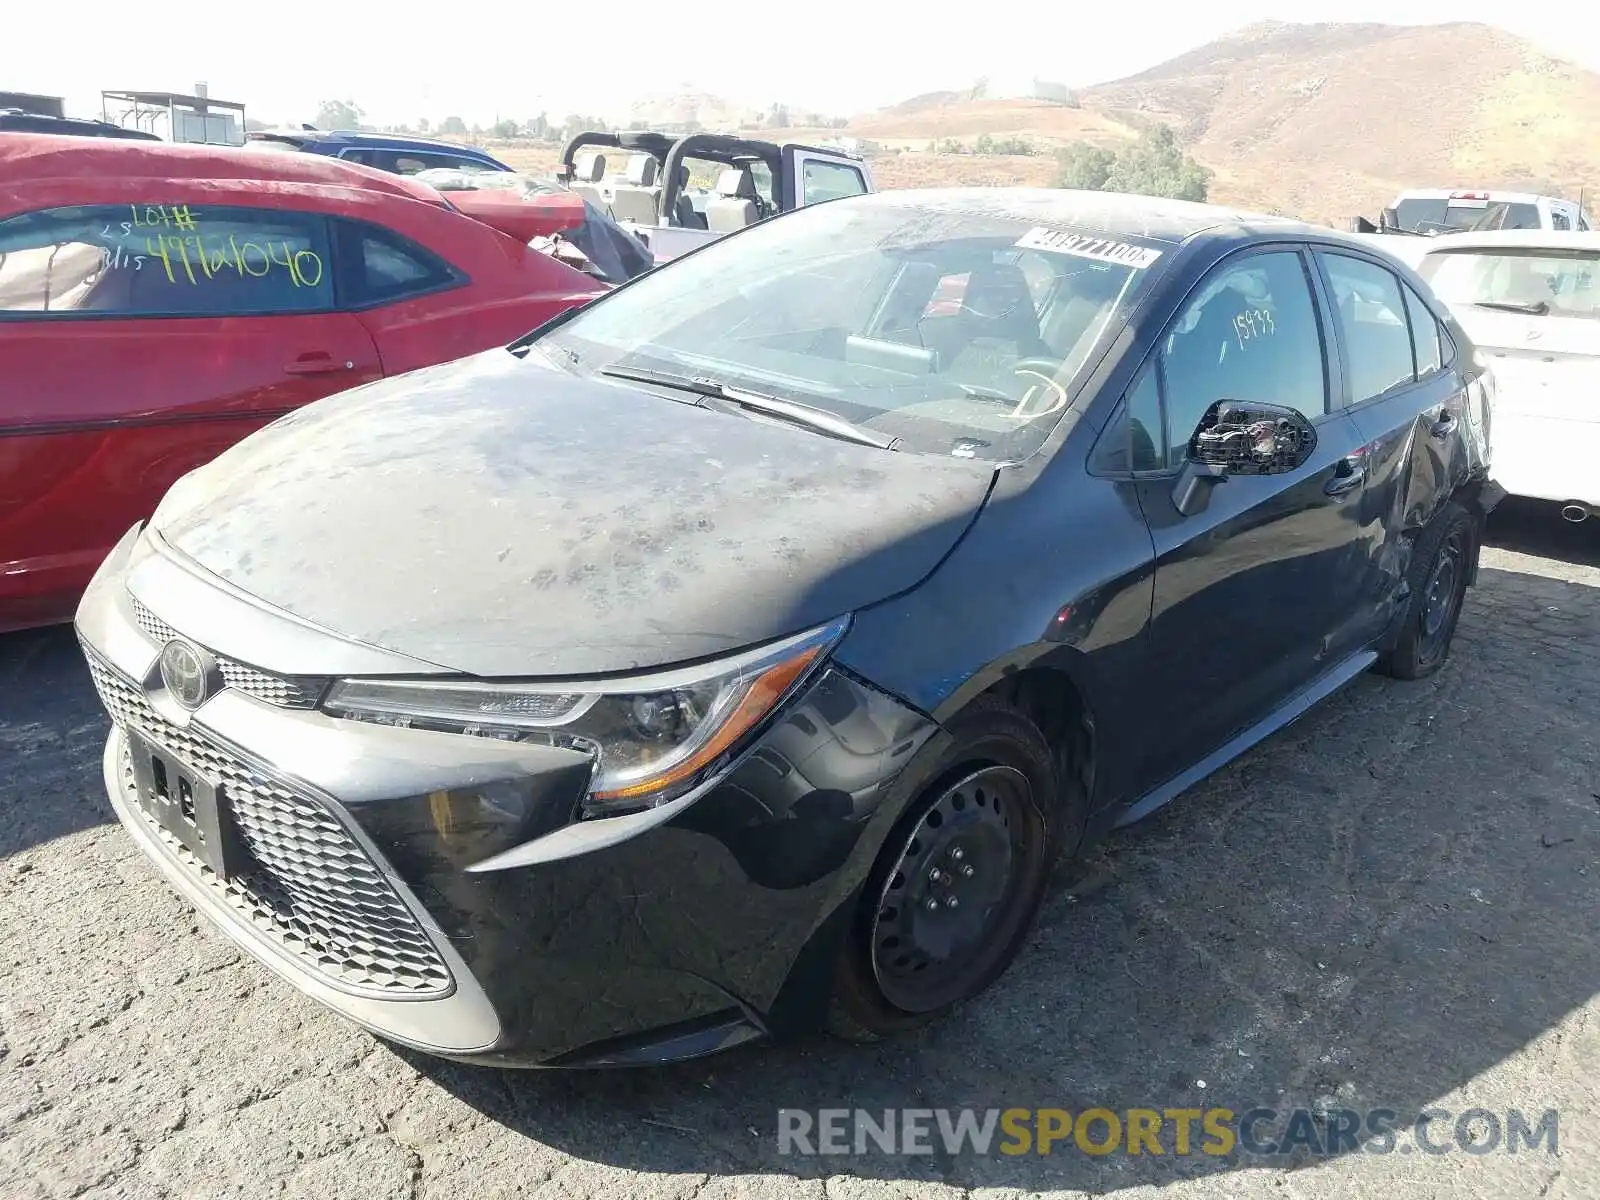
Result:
[653,737]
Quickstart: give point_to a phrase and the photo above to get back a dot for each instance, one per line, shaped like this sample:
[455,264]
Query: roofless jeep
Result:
[661,193]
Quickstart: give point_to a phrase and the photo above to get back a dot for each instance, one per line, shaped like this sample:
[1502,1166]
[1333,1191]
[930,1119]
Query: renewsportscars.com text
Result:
[1217,1132]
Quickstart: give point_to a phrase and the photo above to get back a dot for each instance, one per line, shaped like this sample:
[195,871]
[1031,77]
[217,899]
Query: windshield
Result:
[1541,282]
[1443,216]
[958,333]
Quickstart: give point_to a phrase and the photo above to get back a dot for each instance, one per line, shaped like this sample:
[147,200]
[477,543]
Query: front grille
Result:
[310,888]
[279,690]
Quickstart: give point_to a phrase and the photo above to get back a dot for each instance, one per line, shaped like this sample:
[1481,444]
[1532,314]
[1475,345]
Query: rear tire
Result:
[1440,564]
[959,880]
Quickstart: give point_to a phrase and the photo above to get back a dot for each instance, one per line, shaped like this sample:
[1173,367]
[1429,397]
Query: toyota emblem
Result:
[186,672]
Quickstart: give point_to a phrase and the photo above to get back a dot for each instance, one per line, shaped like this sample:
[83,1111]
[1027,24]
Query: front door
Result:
[129,360]
[813,176]
[1253,592]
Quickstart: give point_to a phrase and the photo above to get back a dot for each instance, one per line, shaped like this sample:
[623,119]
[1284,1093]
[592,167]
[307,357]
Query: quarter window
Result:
[1372,319]
[1131,440]
[379,265]
[1251,334]
[165,258]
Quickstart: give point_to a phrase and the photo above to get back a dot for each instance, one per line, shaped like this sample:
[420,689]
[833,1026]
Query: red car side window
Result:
[378,265]
[166,258]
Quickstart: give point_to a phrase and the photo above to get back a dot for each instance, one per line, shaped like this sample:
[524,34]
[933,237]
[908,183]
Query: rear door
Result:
[1410,403]
[812,176]
[137,341]
[1253,594]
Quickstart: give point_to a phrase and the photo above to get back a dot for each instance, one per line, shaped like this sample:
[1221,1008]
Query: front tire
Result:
[1440,564]
[958,881]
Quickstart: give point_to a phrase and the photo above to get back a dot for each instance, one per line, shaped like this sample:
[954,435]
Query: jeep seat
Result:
[588,170]
[734,205]
[639,198]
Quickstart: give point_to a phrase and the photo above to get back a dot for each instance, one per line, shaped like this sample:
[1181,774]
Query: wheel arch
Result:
[1053,687]
[1478,496]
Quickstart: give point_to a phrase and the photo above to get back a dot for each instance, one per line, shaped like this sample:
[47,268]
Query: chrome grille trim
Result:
[278,690]
[312,890]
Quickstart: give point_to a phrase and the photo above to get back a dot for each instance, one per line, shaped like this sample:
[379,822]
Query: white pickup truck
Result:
[1432,211]
[1530,300]
[653,195]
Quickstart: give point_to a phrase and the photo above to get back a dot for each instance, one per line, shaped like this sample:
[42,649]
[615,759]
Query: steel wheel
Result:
[950,905]
[1442,594]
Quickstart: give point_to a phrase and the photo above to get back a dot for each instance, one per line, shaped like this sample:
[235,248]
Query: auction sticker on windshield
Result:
[1098,248]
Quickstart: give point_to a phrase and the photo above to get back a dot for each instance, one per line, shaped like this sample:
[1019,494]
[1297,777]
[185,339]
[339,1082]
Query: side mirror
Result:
[1235,438]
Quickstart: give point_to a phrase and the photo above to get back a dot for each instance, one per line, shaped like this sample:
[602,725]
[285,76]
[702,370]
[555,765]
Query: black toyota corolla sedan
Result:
[735,655]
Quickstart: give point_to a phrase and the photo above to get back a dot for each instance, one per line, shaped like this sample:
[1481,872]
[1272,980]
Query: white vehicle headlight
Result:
[653,737]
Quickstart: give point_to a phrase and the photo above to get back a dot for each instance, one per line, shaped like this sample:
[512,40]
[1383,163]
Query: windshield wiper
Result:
[819,420]
[1537,309]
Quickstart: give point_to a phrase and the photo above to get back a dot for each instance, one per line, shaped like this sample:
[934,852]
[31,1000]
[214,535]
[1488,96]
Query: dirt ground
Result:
[1389,905]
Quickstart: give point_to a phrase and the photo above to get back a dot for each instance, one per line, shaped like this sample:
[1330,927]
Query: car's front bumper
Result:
[431,886]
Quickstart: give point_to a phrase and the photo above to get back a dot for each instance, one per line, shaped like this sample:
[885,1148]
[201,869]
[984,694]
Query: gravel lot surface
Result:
[1392,904]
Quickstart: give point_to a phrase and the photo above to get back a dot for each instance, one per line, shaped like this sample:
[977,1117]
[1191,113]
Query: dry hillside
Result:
[1326,120]
[1318,121]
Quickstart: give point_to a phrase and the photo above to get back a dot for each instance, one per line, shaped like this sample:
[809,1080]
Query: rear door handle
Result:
[317,363]
[1444,426]
[1347,478]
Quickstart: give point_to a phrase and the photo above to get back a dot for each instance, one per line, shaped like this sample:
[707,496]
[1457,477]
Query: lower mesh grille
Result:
[311,888]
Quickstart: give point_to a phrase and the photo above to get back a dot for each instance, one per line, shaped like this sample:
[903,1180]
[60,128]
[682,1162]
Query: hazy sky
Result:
[838,56]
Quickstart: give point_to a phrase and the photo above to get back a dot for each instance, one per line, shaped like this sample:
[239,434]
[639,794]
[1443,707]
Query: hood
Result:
[500,517]
[519,215]
[528,215]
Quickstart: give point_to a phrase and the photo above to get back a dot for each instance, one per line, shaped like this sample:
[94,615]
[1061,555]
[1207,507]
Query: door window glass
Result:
[1372,318]
[1250,334]
[1424,335]
[163,259]
[821,180]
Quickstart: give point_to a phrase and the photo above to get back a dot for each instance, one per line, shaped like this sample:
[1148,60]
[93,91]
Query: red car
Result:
[158,302]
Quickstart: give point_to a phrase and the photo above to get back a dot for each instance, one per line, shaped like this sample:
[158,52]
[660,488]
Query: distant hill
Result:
[1316,121]
[1327,120]
[1320,121]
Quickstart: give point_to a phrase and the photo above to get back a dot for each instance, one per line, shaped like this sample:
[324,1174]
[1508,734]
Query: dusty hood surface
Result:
[498,516]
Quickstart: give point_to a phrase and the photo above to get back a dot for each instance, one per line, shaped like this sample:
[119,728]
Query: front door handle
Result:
[1347,478]
[1444,426]
[317,363]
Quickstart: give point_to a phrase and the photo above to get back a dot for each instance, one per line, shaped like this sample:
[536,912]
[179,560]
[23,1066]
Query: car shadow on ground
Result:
[1372,910]
[51,731]
[1536,527]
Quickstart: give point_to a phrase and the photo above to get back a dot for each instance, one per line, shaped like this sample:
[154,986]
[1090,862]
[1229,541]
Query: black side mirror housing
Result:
[1235,438]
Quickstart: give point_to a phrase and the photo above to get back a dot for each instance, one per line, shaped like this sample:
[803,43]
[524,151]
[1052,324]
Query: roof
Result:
[35,156]
[1525,239]
[165,98]
[356,137]
[1113,212]
[1495,195]
[18,121]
